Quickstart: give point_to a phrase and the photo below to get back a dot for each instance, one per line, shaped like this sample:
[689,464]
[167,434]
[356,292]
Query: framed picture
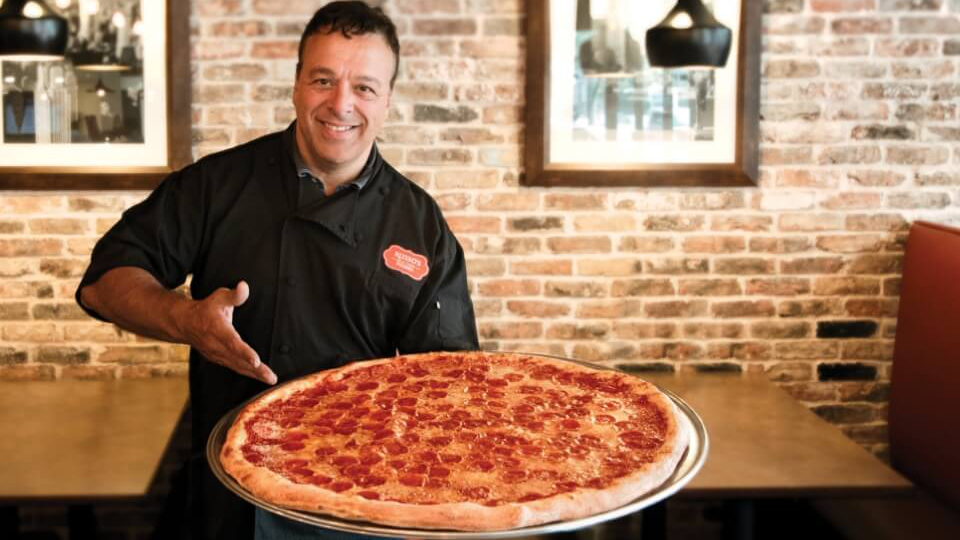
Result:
[114,113]
[599,115]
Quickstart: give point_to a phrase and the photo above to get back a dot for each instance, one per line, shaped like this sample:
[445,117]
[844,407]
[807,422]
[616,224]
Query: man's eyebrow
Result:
[319,70]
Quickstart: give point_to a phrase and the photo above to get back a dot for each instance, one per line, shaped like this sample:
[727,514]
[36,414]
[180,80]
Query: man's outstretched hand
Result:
[207,326]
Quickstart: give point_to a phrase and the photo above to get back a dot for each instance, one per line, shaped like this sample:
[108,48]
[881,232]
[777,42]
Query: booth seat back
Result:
[925,382]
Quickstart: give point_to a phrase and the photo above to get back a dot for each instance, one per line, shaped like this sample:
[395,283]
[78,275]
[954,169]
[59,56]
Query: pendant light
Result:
[689,36]
[31,31]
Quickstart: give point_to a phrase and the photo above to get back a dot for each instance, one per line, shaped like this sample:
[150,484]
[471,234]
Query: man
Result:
[307,251]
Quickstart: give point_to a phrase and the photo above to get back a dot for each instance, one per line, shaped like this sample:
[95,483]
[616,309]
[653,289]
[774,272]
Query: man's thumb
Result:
[240,293]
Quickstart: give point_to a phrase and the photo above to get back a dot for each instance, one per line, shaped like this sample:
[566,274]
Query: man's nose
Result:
[341,101]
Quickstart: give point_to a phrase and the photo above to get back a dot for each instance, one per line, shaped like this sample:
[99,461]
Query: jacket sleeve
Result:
[162,234]
[443,317]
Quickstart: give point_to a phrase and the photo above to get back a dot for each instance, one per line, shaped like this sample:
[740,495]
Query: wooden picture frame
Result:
[582,65]
[140,130]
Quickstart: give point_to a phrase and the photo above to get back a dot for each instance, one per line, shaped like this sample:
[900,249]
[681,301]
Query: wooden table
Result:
[83,442]
[764,443]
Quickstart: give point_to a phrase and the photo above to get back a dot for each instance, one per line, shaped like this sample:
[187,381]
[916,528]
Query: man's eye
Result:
[322,82]
[363,89]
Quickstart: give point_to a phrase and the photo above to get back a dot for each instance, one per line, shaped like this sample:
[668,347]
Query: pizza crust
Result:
[274,488]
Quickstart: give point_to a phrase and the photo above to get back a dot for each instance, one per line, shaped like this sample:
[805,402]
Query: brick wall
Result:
[797,277]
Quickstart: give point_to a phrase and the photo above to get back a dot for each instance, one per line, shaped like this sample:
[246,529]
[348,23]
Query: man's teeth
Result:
[338,128]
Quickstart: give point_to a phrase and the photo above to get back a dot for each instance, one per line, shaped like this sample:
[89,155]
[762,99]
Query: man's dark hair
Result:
[352,18]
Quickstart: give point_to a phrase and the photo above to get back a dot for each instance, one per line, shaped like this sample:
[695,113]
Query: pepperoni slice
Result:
[570,424]
[439,442]
[357,471]
[370,459]
[293,446]
[514,475]
[475,377]
[323,451]
[345,461]
[419,468]
[531,497]
[320,480]
[417,371]
[483,465]
[498,383]
[436,394]
[412,480]
[367,386]
[395,448]
[382,434]
[429,456]
[372,495]
[397,464]
[439,472]
[604,419]
[340,486]
[407,401]
[451,458]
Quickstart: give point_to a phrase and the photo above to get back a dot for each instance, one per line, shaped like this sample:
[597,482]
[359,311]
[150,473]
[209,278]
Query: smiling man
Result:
[306,249]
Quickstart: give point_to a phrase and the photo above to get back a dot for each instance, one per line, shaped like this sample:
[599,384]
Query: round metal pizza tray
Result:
[690,464]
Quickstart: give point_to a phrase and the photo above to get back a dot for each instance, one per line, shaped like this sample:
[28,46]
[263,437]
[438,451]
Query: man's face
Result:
[341,96]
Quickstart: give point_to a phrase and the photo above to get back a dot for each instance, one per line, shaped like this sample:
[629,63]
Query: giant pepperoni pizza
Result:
[471,441]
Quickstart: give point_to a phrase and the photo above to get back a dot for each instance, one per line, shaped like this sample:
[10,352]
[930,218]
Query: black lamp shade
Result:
[33,38]
[705,42]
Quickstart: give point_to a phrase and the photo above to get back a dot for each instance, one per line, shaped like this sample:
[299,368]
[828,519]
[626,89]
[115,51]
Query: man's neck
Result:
[332,175]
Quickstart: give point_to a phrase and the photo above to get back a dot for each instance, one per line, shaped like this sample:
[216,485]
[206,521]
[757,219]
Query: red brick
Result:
[546,267]
[645,244]
[444,27]
[642,287]
[778,286]
[509,287]
[27,373]
[710,287]
[509,202]
[743,308]
[537,309]
[845,286]
[835,6]
[577,331]
[284,7]
[510,330]
[574,289]
[674,266]
[676,308]
[780,330]
[466,179]
[575,202]
[713,330]
[810,308]
[806,350]
[714,244]
[29,247]
[440,156]
[580,244]
[609,267]
[608,309]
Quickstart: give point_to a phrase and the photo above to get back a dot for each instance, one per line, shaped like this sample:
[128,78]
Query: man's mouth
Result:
[337,128]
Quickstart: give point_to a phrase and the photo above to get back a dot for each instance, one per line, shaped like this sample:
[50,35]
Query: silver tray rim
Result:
[690,464]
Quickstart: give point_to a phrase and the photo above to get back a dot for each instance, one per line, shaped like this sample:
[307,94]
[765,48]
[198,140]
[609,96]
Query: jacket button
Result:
[285,348]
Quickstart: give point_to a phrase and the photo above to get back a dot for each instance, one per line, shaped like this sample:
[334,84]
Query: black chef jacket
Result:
[326,286]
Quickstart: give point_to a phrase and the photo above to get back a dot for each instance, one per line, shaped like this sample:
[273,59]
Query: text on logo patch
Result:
[406,262]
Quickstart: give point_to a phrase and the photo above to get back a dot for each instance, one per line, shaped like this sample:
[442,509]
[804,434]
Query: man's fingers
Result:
[251,360]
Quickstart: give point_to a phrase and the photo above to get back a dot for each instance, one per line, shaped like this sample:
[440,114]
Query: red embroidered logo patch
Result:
[406,262]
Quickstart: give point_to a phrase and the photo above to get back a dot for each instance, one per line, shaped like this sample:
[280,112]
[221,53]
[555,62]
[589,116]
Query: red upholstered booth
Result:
[925,383]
